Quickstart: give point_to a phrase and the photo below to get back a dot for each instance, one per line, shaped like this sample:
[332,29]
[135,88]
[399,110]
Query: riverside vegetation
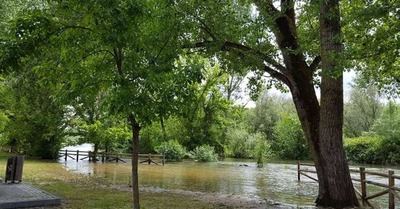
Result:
[177,75]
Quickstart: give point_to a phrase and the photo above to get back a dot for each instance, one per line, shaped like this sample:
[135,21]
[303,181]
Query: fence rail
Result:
[110,157]
[390,187]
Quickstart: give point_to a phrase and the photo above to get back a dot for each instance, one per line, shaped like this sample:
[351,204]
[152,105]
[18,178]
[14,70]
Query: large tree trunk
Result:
[135,127]
[337,190]
[322,128]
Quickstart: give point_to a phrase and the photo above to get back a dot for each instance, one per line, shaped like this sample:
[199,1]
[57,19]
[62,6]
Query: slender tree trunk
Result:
[164,132]
[135,127]
[96,150]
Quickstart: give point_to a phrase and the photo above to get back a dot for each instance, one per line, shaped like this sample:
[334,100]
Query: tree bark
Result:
[321,123]
[337,188]
[135,127]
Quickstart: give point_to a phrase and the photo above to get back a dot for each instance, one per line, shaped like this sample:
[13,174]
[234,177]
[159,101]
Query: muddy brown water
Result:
[275,182]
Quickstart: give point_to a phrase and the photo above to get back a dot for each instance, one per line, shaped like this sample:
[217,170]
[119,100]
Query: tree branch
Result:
[268,8]
[277,75]
[315,63]
[227,45]
[206,28]
[287,7]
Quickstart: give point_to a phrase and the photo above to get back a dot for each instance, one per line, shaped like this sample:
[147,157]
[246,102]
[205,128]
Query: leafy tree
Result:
[36,121]
[387,125]
[239,143]
[203,117]
[112,42]
[266,114]
[289,141]
[362,110]
[262,151]
[282,40]
[372,41]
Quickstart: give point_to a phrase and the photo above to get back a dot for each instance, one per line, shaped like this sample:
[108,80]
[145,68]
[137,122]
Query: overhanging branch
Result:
[277,75]
[227,45]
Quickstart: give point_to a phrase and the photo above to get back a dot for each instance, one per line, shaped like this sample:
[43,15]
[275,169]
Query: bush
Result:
[172,150]
[364,149]
[204,153]
[382,146]
[262,151]
[389,152]
[240,143]
[290,142]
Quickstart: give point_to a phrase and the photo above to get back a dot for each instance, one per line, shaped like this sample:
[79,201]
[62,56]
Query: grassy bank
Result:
[91,192]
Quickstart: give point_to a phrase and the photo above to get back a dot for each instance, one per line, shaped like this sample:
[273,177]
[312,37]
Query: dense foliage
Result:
[382,143]
[170,73]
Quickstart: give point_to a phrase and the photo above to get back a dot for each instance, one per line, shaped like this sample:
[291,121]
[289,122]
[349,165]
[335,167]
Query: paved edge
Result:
[52,201]
[32,203]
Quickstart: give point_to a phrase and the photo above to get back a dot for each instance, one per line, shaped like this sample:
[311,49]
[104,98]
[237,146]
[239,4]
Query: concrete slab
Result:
[14,196]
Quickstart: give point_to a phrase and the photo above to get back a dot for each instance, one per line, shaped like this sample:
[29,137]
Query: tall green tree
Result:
[372,41]
[112,42]
[36,123]
[284,40]
[362,110]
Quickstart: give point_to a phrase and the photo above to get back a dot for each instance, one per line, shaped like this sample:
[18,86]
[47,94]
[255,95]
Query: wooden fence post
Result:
[77,155]
[363,184]
[163,159]
[298,170]
[66,155]
[102,157]
[391,185]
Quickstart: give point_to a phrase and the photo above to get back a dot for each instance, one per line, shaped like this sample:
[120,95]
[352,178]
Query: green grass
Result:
[84,197]
[84,192]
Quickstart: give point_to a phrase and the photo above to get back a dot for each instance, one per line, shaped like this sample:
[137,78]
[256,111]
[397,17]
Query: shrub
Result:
[364,149]
[290,142]
[204,153]
[172,150]
[262,151]
[383,144]
[240,143]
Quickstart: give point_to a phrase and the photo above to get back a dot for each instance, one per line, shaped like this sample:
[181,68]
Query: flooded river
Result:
[276,182]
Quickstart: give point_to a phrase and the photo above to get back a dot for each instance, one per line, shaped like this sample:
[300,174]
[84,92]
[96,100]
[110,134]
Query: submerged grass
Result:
[90,192]
[83,197]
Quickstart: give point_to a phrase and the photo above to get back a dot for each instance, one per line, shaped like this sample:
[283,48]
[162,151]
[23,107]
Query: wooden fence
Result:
[390,187]
[110,157]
